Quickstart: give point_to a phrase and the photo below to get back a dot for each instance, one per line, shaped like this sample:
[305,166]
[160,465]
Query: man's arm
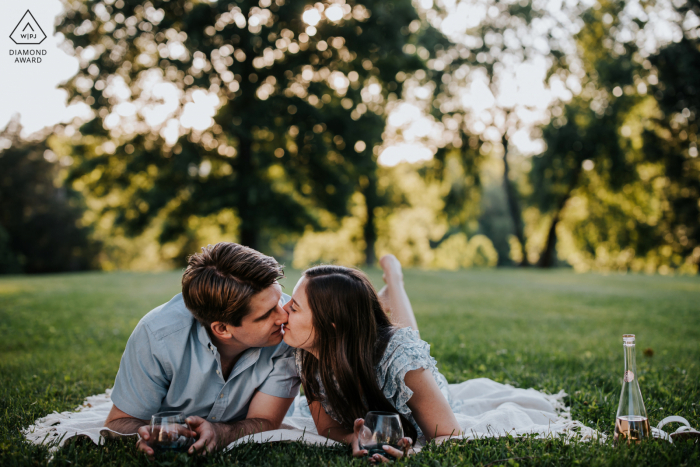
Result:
[126,425]
[265,413]
[123,423]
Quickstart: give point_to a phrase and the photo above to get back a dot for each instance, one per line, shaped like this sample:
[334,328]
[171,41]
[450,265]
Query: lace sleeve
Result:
[405,352]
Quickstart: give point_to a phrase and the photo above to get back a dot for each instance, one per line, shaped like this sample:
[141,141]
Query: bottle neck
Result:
[630,360]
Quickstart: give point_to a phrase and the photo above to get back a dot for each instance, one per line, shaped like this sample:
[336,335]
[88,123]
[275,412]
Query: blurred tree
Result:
[296,92]
[40,228]
[475,86]
[9,263]
[409,226]
[585,133]
[673,143]
[495,222]
[628,159]
[584,140]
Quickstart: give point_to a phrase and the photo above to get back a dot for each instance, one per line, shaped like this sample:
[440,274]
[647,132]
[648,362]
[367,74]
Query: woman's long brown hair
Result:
[352,332]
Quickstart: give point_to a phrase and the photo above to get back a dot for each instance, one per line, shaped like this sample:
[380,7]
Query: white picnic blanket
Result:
[484,408]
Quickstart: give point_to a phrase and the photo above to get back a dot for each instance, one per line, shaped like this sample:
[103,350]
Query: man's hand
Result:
[144,438]
[147,437]
[264,413]
[209,435]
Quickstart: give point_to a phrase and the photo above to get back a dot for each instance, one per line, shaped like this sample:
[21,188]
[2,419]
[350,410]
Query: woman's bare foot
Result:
[393,296]
[392,269]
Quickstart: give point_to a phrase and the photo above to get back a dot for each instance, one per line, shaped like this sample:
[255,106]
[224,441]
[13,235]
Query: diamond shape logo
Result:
[28,31]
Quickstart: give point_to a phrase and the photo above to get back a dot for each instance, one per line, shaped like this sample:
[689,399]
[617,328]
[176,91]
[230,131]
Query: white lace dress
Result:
[404,352]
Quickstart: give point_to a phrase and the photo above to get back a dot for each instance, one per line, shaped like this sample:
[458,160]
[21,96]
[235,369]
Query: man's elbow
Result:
[274,424]
[122,422]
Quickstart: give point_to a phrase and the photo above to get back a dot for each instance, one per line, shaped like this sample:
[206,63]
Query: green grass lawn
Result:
[61,338]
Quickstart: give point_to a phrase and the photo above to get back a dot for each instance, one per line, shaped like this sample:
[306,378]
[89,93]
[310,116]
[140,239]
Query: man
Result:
[213,352]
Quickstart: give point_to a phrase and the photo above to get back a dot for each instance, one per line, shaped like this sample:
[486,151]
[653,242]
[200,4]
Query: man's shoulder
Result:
[276,351]
[285,298]
[168,319]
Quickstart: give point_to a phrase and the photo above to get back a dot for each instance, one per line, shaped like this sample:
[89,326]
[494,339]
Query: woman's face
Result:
[299,330]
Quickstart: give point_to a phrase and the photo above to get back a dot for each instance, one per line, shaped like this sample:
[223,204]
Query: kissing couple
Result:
[231,351]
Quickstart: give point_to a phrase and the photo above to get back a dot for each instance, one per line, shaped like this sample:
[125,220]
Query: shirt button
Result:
[218,372]
[220,396]
[213,418]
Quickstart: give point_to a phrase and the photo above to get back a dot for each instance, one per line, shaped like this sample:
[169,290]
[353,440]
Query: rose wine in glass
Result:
[381,429]
[631,422]
[170,432]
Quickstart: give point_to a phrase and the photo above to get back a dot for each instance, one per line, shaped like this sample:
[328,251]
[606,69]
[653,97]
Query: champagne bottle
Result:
[631,422]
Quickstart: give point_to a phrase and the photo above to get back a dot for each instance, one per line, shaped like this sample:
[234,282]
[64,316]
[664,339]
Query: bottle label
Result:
[629,376]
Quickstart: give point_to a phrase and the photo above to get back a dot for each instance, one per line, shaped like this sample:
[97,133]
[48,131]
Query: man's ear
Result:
[220,329]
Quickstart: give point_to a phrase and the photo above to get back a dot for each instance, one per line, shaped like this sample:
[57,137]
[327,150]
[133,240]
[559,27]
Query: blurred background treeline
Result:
[452,133]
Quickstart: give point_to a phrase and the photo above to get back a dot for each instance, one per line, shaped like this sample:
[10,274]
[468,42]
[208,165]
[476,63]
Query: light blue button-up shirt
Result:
[170,363]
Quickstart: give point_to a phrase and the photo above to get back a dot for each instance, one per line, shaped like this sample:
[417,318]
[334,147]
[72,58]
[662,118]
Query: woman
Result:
[353,357]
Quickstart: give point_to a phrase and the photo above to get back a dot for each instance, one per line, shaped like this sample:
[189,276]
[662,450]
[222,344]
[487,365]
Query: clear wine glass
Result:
[381,429]
[170,432]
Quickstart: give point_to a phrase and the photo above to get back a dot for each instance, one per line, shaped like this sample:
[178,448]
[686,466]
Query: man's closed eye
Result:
[264,317]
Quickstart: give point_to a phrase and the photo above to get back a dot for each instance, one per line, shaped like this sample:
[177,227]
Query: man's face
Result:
[261,327]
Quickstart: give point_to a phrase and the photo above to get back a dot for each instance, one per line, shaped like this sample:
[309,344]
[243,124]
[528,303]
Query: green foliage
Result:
[672,144]
[340,242]
[61,338]
[495,221]
[301,109]
[457,252]
[414,224]
[620,170]
[40,224]
[9,263]
[500,40]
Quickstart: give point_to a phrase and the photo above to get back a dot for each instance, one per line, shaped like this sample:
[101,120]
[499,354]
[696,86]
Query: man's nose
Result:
[282,316]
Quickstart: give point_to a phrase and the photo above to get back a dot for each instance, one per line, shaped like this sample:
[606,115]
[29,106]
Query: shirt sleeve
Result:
[285,298]
[283,381]
[142,382]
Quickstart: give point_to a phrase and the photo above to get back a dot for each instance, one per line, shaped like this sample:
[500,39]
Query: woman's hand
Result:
[357,429]
[404,443]
[406,450]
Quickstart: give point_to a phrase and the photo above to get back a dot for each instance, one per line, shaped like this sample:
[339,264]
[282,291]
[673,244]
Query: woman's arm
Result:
[429,406]
[328,427]
[430,410]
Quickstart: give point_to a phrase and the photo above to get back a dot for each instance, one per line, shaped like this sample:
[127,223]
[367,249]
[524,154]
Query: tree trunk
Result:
[513,205]
[245,181]
[369,230]
[547,257]
[249,230]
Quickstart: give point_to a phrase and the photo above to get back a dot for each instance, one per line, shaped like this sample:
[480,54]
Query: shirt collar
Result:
[249,357]
[203,336]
